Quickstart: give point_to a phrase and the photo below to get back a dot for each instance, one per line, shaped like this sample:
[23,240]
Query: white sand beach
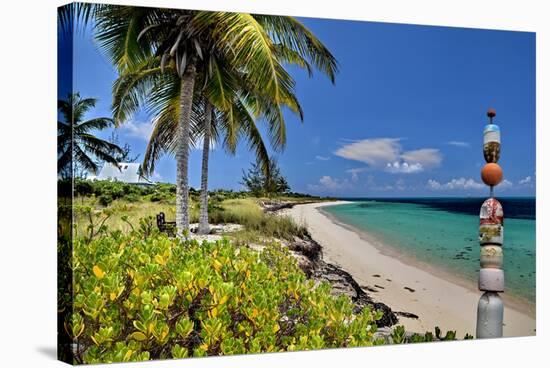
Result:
[437,300]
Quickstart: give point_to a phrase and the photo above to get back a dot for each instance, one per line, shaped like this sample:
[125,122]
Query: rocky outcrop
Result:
[309,256]
[310,259]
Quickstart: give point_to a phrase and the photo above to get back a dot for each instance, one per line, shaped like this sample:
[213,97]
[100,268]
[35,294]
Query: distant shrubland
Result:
[109,201]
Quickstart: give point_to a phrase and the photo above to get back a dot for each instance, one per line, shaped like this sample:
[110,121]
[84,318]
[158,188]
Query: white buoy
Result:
[491,279]
[491,256]
[491,234]
[491,143]
[490,316]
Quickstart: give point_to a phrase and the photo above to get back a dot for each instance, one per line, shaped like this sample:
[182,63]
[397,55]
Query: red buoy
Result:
[491,174]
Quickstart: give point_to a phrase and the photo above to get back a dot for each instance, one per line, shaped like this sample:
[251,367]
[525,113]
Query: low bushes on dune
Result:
[144,296]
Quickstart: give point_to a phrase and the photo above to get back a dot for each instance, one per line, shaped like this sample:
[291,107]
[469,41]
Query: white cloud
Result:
[137,130]
[458,184]
[465,184]
[375,152]
[403,168]
[427,157]
[458,144]
[322,158]
[505,184]
[355,172]
[156,176]
[329,184]
[526,181]
[388,155]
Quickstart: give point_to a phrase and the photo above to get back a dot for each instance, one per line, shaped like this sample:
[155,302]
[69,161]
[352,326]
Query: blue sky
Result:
[405,117]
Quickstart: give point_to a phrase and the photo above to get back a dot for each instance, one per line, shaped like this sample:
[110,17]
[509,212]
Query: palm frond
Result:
[131,90]
[75,16]
[117,31]
[294,35]
[83,159]
[96,144]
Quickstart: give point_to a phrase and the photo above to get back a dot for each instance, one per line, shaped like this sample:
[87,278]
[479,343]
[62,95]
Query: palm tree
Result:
[254,44]
[208,122]
[204,227]
[212,125]
[76,142]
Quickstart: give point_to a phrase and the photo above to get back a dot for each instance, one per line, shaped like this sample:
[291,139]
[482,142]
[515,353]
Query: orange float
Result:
[491,174]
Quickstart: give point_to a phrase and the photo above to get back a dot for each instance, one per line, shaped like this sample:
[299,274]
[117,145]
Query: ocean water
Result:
[443,232]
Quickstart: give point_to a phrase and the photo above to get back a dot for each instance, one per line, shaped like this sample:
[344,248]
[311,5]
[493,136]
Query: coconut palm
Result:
[208,122]
[256,45]
[209,125]
[77,146]
[219,107]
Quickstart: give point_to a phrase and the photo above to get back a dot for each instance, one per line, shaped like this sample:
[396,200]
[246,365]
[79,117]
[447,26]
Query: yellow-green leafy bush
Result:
[139,297]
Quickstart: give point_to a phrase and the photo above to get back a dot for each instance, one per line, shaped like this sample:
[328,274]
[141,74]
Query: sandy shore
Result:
[438,301]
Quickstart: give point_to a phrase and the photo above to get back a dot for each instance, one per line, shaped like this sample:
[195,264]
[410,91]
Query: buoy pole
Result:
[490,309]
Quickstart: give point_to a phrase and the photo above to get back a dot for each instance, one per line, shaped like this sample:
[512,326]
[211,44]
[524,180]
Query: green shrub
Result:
[132,197]
[105,199]
[398,336]
[83,187]
[160,196]
[142,297]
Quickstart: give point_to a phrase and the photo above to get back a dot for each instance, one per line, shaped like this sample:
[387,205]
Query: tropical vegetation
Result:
[144,296]
[119,206]
[138,295]
[78,147]
[263,183]
[237,58]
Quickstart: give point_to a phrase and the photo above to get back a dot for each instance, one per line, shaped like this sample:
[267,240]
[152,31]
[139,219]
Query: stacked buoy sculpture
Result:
[490,309]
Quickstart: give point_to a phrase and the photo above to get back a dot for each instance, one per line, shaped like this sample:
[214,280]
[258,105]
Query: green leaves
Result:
[104,335]
[75,326]
[178,352]
[159,298]
[184,327]
[398,336]
[139,336]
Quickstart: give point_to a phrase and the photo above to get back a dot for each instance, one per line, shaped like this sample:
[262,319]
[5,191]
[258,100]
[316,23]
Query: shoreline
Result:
[516,302]
[403,282]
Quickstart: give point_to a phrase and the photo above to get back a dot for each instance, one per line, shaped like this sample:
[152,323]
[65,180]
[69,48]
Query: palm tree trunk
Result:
[204,228]
[182,150]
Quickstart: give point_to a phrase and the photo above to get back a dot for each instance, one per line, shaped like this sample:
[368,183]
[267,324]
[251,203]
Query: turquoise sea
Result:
[442,232]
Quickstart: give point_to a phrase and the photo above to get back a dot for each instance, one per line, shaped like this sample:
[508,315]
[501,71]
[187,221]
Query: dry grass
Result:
[247,212]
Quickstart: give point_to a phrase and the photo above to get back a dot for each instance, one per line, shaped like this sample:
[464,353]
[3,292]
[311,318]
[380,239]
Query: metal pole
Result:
[490,309]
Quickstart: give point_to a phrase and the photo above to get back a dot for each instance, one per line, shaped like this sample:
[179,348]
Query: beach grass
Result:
[257,224]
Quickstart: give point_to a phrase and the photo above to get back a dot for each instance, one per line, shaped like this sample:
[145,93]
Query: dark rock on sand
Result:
[368,288]
[306,246]
[343,283]
[407,315]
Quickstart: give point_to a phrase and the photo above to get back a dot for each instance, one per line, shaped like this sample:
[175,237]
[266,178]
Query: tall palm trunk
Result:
[182,151]
[204,228]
